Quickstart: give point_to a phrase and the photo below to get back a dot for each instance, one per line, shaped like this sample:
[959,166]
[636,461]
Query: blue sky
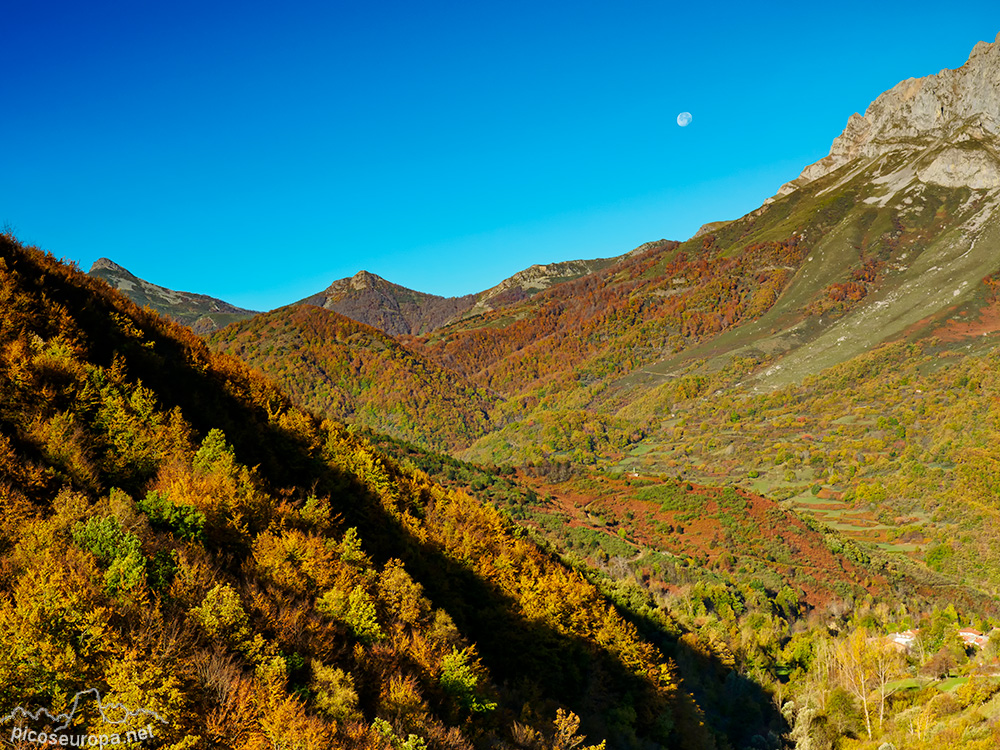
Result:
[256,151]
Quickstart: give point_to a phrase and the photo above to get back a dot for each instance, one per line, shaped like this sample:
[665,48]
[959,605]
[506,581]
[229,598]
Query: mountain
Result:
[532,280]
[570,343]
[177,535]
[941,116]
[910,193]
[391,308]
[893,236]
[396,310]
[198,311]
[353,372]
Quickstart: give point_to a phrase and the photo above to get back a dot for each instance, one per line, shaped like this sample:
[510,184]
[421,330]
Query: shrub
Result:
[937,556]
[214,449]
[221,614]
[356,609]
[105,538]
[334,691]
[976,691]
[943,705]
[161,570]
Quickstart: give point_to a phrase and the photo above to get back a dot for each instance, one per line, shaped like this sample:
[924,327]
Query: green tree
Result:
[459,679]
[866,665]
[115,548]
[356,609]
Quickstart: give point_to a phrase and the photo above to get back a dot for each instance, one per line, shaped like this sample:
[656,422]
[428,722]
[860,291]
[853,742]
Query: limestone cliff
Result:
[958,109]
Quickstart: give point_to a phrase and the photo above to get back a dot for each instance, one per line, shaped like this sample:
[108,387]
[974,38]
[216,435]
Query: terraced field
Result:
[802,493]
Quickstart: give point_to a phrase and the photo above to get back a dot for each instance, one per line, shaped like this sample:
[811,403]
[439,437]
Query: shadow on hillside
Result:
[534,664]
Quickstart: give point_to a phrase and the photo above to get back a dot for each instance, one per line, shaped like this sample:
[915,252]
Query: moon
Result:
[684,119]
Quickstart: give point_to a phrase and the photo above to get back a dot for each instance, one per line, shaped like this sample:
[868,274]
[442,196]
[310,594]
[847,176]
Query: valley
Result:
[683,497]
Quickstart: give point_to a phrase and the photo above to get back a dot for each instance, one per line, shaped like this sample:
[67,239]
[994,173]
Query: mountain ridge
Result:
[939,106]
[200,312]
[393,309]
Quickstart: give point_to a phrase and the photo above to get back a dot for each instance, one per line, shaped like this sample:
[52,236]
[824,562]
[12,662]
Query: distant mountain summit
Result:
[391,308]
[396,310]
[198,311]
[106,264]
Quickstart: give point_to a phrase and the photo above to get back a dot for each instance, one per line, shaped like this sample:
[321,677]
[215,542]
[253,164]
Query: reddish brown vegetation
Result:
[612,321]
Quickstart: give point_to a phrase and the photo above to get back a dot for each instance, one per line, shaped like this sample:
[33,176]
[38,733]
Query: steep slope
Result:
[922,170]
[583,333]
[895,235]
[353,372]
[198,311]
[530,281]
[396,310]
[325,597]
[391,308]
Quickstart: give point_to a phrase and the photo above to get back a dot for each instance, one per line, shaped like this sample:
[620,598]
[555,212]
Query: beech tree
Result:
[866,665]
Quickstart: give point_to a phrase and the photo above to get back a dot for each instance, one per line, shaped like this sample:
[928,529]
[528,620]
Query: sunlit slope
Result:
[177,535]
[353,372]
[198,311]
[896,447]
[887,253]
[863,255]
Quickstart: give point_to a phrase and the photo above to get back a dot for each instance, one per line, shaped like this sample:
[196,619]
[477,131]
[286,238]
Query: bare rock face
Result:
[106,264]
[956,167]
[953,107]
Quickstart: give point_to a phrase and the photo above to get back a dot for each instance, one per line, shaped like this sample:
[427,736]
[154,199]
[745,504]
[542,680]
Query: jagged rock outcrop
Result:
[537,278]
[954,107]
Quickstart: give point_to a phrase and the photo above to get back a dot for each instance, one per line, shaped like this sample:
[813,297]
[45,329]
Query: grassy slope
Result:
[899,443]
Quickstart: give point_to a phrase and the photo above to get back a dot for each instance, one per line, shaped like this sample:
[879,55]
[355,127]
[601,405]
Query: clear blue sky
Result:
[258,151]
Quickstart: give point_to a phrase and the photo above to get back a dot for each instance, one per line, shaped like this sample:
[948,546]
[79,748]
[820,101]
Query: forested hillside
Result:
[177,535]
[352,372]
[610,322]
[861,647]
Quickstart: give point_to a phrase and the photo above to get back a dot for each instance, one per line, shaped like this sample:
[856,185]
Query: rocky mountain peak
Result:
[958,107]
[105,264]
[363,280]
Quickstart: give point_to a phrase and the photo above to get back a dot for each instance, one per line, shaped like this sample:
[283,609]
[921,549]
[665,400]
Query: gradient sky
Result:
[258,151]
